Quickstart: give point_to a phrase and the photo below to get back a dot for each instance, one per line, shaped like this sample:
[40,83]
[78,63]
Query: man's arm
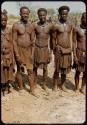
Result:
[74,45]
[53,39]
[32,37]
[14,37]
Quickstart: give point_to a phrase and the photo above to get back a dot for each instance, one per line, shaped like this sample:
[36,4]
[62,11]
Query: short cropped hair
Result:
[63,8]
[42,9]
[4,12]
[24,7]
[84,13]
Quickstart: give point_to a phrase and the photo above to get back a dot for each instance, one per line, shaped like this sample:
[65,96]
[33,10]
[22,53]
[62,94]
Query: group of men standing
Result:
[31,45]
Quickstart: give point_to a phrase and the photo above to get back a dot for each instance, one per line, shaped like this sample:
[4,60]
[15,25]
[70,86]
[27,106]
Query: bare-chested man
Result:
[62,48]
[80,52]
[7,60]
[42,53]
[23,39]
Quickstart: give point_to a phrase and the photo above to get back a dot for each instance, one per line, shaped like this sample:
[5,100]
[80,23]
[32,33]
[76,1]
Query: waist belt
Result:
[26,47]
[41,46]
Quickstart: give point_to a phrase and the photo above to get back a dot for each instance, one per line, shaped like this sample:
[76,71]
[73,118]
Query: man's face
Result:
[24,14]
[64,15]
[3,20]
[42,16]
[83,19]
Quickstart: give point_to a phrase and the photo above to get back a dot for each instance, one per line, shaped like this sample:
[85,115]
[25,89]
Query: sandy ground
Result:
[55,107]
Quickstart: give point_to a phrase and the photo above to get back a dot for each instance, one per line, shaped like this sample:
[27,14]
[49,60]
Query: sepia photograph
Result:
[43,62]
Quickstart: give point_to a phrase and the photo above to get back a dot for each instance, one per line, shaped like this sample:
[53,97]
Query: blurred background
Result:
[76,9]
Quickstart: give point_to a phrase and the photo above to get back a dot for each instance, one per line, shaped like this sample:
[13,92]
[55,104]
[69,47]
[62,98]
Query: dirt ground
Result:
[52,107]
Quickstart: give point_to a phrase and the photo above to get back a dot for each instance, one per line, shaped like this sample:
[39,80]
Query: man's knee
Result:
[56,74]
[35,69]
[45,67]
[77,74]
[84,75]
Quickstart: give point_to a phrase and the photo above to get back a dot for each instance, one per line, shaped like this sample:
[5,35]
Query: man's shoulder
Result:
[8,29]
[78,28]
[35,24]
[16,24]
[56,22]
[30,24]
[68,22]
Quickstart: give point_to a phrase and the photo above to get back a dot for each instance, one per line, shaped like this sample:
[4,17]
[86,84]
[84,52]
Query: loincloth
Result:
[26,56]
[63,61]
[81,67]
[7,73]
[41,55]
[81,56]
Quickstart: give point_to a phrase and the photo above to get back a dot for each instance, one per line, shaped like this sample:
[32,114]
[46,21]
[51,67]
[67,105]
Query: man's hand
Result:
[19,61]
[75,60]
[54,51]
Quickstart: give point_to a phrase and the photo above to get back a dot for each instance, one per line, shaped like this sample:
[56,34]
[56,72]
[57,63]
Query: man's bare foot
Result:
[20,88]
[9,91]
[21,91]
[82,91]
[64,88]
[77,91]
[44,87]
[34,93]
[55,88]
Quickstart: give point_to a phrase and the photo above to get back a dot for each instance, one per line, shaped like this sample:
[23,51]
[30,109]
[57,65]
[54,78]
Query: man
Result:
[62,48]
[7,58]
[42,53]
[23,40]
[80,52]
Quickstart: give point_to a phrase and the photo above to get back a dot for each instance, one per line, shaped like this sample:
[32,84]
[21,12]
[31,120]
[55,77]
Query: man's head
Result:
[83,18]
[24,13]
[63,12]
[4,18]
[42,13]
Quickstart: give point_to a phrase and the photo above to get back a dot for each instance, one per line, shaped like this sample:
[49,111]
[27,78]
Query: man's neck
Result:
[42,23]
[24,22]
[62,21]
[3,28]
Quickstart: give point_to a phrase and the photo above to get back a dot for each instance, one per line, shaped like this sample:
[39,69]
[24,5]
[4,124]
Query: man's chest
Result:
[45,29]
[5,35]
[61,28]
[81,32]
[24,29]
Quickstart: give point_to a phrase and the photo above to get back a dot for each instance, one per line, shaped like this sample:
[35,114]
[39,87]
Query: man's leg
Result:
[45,74]
[63,79]
[8,86]
[19,78]
[55,80]
[83,83]
[35,74]
[3,87]
[31,82]
[9,81]
[77,74]
[5,69]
